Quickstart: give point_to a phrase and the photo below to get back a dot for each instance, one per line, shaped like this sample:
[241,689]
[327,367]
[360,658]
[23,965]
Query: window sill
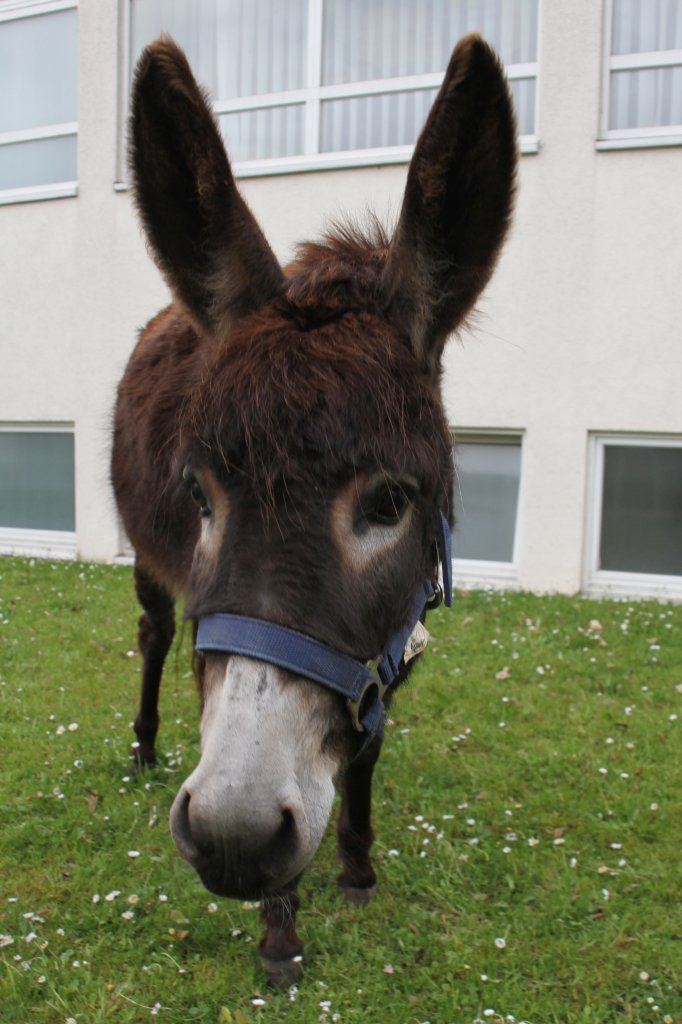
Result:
[471,574]
[616,142]
[528,144]
[311,163]
[37,193]
[634,585]
[38,543]
[26,8]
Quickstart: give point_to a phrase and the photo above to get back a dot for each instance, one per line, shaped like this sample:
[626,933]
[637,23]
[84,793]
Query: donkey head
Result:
[312,438]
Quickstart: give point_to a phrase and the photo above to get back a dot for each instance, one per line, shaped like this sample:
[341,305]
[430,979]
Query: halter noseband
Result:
[355,680]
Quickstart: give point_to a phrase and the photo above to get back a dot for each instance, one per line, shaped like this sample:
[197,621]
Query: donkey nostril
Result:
[287,826]
[286,839]
[181,829]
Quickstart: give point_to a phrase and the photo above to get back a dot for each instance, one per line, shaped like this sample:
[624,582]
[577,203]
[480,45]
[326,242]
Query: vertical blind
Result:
[384,39]
[643,25]
[291,77]
[368,39]
[236,47]
[646,64]
[38,83]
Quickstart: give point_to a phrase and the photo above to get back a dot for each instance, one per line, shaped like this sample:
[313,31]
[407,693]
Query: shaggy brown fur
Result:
[281,387]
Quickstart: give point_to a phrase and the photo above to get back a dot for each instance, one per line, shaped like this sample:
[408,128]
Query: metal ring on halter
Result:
[355,706]
[436,598]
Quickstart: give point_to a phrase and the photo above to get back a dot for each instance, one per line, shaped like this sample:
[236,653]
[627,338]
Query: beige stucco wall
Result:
[579,331]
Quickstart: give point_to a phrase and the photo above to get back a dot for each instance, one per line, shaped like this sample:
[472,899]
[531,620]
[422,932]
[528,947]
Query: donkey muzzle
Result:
[247,856]
[252,813]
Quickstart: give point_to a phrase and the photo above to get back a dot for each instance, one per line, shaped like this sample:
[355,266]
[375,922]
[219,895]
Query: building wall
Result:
[579,331]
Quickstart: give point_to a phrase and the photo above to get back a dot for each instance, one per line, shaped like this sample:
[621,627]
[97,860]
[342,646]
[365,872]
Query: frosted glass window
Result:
[39,86]
[40,162]
[523,94]
[391,38]
[487,483]
[38,71]
[263,134]
[365,122]
[644,25]
[36,480]
[641,516]
[295,78]
[648,98]
[236,47]
[645,65]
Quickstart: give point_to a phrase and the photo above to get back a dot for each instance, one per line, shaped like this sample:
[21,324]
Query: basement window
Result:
[635,516]
[487,489]
[37,492]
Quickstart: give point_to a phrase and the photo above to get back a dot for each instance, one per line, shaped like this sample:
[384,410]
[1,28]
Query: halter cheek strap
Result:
[363,684]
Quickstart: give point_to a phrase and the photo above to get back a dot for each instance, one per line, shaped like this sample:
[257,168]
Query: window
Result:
[487,485]
[635,526]
[304,84]
[38,85]
[37,500]
[643,73]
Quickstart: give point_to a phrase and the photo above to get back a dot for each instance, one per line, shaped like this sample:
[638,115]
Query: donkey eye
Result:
[388,505]
[198,497]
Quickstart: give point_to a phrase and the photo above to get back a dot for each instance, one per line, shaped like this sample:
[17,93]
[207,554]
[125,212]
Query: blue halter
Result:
[363,684]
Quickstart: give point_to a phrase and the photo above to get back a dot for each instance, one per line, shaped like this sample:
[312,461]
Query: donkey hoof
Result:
[282,973]
[356,895]
[141,760]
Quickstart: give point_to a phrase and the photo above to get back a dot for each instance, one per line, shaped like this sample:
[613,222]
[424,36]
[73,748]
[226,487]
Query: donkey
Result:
[282,461]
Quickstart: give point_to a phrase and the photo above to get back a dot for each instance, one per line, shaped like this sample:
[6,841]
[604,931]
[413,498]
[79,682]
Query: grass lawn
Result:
[528,817]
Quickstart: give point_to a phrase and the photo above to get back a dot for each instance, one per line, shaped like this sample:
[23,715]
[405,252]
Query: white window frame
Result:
[14,11]
[472,572]
[632,138]
[609,583]
[60,544]
[126,552]
[311,97]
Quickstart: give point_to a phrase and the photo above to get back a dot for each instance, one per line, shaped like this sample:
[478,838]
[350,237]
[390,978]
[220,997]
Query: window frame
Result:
[38,543]
[15,11]
[312,97]
[609,582]
[632,138]
[473,572]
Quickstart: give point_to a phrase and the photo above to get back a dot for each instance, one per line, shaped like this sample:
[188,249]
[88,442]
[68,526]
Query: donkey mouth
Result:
[236,888]
[241,864]
[243,882]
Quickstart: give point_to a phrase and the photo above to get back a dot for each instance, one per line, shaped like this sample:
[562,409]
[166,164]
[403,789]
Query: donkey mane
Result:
[271,395]
[339,272]
[269,399]
[359,241]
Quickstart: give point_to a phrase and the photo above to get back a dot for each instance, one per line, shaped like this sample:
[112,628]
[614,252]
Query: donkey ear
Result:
[203,236]
[457,204]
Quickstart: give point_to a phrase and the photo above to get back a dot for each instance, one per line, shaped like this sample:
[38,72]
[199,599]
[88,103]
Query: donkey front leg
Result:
[280,948]
[156,628]
[358,880]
